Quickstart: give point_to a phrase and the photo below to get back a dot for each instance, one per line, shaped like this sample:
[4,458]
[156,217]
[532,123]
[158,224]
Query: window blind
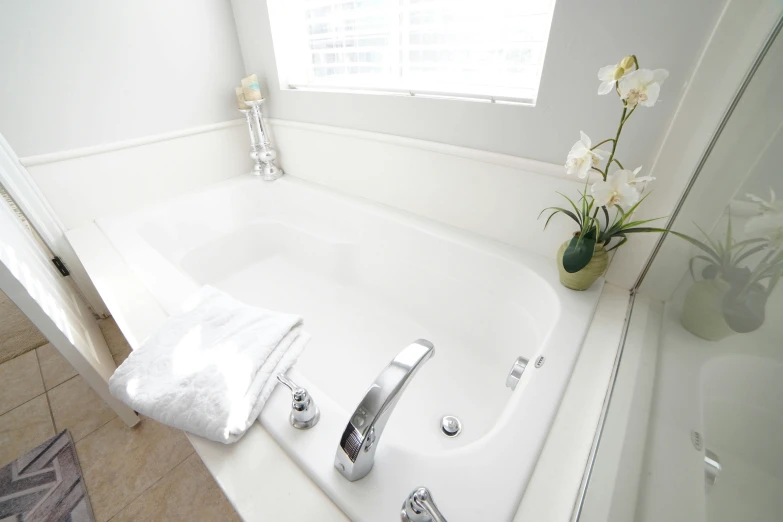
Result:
[486,49]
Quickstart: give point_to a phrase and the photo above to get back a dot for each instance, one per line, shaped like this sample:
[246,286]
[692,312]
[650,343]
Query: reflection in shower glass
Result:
[694,431]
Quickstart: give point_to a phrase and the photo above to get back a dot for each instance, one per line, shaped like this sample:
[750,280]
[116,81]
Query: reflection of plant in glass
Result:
[618,191]
[769,221]
[745,301]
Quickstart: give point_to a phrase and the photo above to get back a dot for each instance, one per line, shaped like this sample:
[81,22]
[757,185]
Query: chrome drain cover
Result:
[450,426]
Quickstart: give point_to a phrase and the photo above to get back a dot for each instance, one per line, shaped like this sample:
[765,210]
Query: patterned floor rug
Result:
[45,485]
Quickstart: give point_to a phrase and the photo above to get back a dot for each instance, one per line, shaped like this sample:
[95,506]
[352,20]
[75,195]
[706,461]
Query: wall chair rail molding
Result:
[496,158]
[52,157]
[84,184]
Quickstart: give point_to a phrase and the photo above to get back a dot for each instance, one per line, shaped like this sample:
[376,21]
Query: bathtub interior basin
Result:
[370,280]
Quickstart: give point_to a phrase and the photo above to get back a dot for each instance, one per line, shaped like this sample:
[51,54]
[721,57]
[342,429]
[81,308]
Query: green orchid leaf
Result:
[555,211]
[716,248]
[637,230]
[621,243]
[633,208]
[748,253]
[578,253]
[702,258]
[729,239]
[773,280]
[698,244]
[606,216]
[573,205]
[637,223]
[748,242]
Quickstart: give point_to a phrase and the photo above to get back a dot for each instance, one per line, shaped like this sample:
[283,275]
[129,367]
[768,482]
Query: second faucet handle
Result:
[304,413]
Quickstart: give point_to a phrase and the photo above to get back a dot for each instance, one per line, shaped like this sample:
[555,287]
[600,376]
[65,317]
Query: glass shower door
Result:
[694,428]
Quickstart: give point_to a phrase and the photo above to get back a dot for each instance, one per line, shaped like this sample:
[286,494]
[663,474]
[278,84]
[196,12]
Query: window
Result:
[483,49]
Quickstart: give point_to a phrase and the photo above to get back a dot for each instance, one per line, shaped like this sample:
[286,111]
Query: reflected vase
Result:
[702,310]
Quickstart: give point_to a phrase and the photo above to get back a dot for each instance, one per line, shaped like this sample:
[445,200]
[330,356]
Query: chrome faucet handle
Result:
[304,413]
[419,507]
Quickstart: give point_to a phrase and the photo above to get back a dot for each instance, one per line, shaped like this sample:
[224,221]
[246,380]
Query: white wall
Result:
[493,195]
[86,72]
[584,37]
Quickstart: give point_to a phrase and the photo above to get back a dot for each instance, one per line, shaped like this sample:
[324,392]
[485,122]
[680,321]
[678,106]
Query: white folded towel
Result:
[211,368]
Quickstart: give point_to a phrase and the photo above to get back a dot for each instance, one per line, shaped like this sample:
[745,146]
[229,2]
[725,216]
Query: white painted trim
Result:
[27,195]
[52,157]
[506,160]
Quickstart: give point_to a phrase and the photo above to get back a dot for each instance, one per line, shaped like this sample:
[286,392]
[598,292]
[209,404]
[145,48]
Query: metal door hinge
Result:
[60,266]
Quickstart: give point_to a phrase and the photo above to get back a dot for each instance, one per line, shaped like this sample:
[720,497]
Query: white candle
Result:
[250,88]
[241,99]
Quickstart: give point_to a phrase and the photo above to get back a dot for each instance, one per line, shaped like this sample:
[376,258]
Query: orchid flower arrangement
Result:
[604,212]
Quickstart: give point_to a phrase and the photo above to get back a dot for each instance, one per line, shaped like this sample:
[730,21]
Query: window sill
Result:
[481,98]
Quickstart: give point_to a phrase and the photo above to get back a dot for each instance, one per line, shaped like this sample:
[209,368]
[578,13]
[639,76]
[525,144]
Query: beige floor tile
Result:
[55,369]
[113,335]
[19,334]
[20,381]
[186,493]
[24,428]
[120,463]
[76,407]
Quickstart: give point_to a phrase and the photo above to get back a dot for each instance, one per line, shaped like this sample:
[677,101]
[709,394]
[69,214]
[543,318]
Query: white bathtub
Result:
[369,280]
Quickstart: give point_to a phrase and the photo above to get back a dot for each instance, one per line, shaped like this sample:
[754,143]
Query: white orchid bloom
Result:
[765,205]
[609,76]
[580,158]
[634,180]
[611,73]
[642,87]
[618,189]
[769,222]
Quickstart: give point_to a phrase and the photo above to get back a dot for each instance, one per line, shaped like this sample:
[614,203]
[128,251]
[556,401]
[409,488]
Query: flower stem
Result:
[629,114]
[598,145]
[618,163]
[623,118]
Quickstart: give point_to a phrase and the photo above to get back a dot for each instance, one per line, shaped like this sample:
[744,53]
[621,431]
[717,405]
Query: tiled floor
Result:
[17,333]
[149,472]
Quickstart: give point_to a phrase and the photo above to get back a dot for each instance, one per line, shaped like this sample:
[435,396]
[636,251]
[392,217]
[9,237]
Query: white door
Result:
[30,280]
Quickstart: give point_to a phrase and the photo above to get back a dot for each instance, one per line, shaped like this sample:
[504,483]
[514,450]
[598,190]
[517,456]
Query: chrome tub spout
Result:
[356,452]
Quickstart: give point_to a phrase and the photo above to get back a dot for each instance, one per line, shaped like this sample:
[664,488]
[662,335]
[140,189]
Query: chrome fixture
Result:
[419,507]
[304,413]
[450,426]
[712,467]
[356,452]
[516,372]
[261,150]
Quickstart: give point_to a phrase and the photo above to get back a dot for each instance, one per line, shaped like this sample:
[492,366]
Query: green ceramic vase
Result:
[583,279]
[702,310]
